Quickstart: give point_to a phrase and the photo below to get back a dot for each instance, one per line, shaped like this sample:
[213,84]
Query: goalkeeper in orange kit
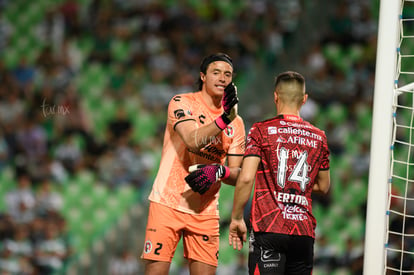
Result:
[203,132]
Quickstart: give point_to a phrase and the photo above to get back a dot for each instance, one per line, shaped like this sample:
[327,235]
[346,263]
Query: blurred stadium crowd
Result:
[84,87]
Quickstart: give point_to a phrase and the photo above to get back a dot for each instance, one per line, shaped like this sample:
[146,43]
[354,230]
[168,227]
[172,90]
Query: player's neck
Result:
[213,102]
[288,111]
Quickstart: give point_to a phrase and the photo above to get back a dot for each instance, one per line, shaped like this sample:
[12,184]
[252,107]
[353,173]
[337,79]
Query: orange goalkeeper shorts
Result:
[165,227]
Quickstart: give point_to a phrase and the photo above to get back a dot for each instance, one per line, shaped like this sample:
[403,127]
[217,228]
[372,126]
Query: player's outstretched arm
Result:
[233,165]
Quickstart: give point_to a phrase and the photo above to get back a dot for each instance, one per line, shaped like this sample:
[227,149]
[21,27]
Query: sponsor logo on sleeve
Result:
[179,113]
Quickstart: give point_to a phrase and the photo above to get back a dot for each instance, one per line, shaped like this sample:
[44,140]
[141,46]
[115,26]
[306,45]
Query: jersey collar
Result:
[289,117]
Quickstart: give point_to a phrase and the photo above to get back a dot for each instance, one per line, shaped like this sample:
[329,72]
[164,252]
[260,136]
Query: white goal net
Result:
[399,245]
[392,148]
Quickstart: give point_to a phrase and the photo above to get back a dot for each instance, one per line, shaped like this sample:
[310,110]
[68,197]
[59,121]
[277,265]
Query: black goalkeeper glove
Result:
[202,176]
[229,103]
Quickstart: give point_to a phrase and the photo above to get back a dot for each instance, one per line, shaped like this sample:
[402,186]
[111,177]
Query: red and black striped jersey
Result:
[292,151]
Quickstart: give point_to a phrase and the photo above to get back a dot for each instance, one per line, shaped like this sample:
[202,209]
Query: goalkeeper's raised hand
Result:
[229,103]
[202,176]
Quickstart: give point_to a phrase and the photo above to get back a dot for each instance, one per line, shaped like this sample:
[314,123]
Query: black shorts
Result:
[280,254]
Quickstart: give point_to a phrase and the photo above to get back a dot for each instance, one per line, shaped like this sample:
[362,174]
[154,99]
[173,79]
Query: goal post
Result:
[380,154]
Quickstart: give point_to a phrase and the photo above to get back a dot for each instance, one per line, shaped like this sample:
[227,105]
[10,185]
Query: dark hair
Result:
[209,59]
[289,76]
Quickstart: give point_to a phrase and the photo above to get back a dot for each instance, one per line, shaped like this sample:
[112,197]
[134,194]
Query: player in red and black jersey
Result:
[287,158]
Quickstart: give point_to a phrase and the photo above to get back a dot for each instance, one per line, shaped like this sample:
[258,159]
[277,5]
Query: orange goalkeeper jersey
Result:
[170,188]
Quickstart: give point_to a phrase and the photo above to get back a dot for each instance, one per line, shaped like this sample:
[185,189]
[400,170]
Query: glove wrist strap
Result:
[226,172]
[222,121]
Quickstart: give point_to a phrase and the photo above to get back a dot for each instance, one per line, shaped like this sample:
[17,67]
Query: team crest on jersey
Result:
[147,247]
[229,131]
[272,130]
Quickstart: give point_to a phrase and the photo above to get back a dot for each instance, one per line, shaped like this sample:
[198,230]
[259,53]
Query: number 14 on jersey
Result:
[298,174]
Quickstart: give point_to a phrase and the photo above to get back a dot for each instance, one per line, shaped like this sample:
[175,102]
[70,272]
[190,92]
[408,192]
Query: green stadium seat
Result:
[99,195]
[364,118]
[336,189]
[355,52]
[86,204]
[74,218]
[332,51]
[120,50]
[318,211]
[87,233]
[144,126]
[336,217]
[7,179]
[334,54]
[101,220]
[126,195]
[132,105]
[355,227]
[94,79]
[85,178]
[10,57]
[337,238]
[79,243]
[359,191]
[108,108]
[321,119]
[71,193]
[114,208]
[337,113]
[3,205]
[11,14]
